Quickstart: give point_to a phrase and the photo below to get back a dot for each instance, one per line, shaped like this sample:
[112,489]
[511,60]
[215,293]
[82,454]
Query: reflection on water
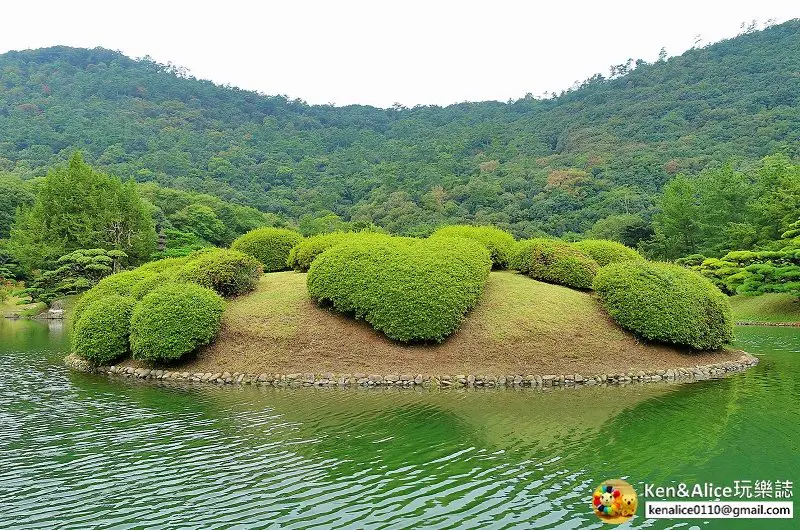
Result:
[80,450]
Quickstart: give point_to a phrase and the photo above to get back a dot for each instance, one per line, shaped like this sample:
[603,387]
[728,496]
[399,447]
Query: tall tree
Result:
[79,207]
[676,225]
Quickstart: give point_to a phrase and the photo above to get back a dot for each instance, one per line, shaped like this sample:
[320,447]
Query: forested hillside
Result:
[558,165]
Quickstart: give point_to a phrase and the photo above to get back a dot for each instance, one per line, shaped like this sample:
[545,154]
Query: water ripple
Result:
[83,451]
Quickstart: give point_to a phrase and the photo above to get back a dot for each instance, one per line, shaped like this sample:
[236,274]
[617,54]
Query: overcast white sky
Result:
[381,52]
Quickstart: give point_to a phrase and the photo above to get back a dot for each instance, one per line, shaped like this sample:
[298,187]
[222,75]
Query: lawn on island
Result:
[769,307]
[520,326]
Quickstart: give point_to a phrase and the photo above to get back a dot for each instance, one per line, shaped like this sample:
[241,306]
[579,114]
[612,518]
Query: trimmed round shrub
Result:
[554,261]
[270,246]
[498,242]
[174,320]
[101,334]
[304,253]
[411,290]
[605,251]
[167,264]
[665,302]
[155,280]
[120,283]
[136,282]
[228,272]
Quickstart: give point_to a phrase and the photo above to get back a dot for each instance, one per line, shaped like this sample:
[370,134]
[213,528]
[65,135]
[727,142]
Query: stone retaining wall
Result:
[776,324]
[683,374]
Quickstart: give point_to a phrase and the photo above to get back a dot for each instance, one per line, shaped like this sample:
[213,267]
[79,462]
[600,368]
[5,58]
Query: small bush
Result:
[605,251]
[121,283]
[101,334]
[304,253]
[270,246]
[498,242]
[409,289]
[554,261]
[228,272]
[665,302]
[174,320]
[153,281]
[136,282]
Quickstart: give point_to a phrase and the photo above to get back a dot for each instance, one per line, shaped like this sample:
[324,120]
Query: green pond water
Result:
[86,451]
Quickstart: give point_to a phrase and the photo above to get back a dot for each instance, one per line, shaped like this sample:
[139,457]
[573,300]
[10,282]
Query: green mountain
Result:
[555,165]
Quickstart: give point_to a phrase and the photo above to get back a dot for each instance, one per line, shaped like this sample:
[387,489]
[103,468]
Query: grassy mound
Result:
[519,326]
[769,307]
[411,290]
[554,261]
[605,251]
[499,243]
[270,246]
[666,302]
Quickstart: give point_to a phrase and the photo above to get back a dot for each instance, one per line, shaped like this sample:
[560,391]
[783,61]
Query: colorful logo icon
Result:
[614,501]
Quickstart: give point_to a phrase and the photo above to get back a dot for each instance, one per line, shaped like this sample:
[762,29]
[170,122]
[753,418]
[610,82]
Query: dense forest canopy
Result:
[594,158]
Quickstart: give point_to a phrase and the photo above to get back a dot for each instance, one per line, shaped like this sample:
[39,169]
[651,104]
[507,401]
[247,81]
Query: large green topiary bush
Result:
[101,334]
[665,302]
[304,253]
[228,272]
[174,320]
[411,290]
[605,251]
[270,246]
[554,261]
[498,242]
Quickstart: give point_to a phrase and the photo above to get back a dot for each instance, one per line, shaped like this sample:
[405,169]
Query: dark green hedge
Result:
[554,261]
[665,302]
[304,253]
[411,290]
[174,320]
[498,242]
[228,272]
[605,251]
[270,246]
[101,334]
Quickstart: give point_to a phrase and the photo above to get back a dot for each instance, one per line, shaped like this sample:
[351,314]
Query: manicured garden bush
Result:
[135,283]
[101,333]
[498,242]
[605,251]
[270,246]
[554,261]
[228,272]
[120,283]
[411,290]
[305,252]
[174,320]
[665,302]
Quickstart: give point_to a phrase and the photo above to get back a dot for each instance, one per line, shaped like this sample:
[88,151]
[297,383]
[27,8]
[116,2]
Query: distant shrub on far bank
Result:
[554,261]
[665,302]
[499,243]
[270,246]
[605,251]
[101,334]
[174,320]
